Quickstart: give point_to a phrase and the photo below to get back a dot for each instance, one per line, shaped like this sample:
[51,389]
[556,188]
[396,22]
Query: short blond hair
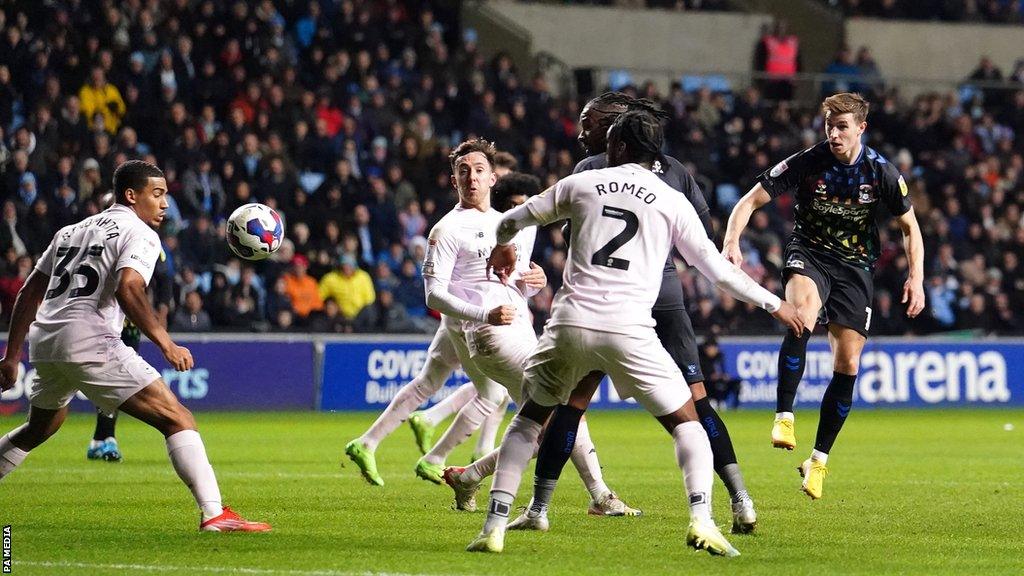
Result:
[846,103]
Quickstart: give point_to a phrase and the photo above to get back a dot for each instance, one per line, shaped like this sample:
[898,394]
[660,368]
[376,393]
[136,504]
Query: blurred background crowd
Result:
[340,114]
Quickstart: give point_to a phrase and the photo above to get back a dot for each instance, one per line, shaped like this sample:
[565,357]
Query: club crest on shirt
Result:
[866,194]
[656,167]
[778,169]
[821,188]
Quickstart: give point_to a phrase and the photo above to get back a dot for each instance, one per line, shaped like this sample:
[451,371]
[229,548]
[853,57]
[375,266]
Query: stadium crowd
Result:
[991,11]
[341,115]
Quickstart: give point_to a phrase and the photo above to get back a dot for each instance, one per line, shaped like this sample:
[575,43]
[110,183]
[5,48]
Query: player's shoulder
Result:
[594,162]
[880,163]
[445,224]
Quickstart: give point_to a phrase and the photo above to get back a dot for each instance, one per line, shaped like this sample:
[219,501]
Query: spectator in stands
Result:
[845,73]
[349,286]
[191,317]
[384,315]
[886,320]
[101,102]
[778,56]
[302,289]
[202,191]
[721,387]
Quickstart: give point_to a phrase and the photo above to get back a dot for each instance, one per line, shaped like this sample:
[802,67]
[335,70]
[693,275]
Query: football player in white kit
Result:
[441,361]
[496,336]
[72,308]
[624,222]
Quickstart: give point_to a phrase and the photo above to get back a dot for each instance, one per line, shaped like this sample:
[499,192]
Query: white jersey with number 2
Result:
[80,318]
[624,222]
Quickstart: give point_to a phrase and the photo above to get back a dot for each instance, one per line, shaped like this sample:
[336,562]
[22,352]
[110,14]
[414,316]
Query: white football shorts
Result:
[638,365]
[106,384]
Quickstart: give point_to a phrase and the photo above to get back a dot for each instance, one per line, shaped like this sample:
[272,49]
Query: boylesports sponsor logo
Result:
[855,212]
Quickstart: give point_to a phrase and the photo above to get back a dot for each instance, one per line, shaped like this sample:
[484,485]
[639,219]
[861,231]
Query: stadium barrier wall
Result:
[230,373]
[894,373]
[304,372]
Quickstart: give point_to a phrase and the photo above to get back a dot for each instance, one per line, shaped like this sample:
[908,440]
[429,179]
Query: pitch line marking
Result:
[205,569]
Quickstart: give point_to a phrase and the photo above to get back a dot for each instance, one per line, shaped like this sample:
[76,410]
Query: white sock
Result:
[517,448]
[489,429]
[469,419]
[482,468]
[785,416]
[407,400]
[188,456]
[819,456]
[95,443]
[10,455]
[693,454]
[584,458]
[451,404]
[513,456]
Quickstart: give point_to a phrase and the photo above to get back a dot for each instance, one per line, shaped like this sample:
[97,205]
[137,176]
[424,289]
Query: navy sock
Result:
[718,434]
[835,407]
[792,359]
[558,441]
[104,426]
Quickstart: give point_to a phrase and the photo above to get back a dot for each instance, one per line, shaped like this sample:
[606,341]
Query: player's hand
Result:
[534,277]
[501,315]
[788,315]
[179,358]
[733,254]
[502,262]
[8,373]
[913,296]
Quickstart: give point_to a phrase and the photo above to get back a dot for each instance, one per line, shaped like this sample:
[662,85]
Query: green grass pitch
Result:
[910,492]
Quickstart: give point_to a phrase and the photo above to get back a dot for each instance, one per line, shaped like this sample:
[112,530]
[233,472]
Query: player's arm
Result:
[437,272]
[24,313]
[913,288]
[131,295]
[541,210]
[700,252]
[738,220]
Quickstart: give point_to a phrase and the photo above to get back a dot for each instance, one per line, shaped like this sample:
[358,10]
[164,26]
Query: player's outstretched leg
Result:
[835,407]
[156,405]
[431,466]
[430,379]
[489,431]
[513,456]
[424,422]
[744,517]
[554,451]
[792,360]
[16,444]
[103,445]
[603,501]
[847,345]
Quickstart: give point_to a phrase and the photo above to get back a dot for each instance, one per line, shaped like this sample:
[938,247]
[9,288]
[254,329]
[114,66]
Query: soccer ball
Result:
[255,231]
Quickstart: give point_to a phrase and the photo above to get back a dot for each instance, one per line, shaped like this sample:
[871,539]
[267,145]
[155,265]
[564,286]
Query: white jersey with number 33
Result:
[624,222]
[80,315]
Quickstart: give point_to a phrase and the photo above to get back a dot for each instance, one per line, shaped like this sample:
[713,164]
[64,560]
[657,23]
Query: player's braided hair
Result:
[649,106]
[641,132]
[610,100]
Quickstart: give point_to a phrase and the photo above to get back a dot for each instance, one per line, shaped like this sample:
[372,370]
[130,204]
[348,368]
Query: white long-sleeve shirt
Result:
[455,275]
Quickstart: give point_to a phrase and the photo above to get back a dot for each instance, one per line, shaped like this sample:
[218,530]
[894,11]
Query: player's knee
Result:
[846,365]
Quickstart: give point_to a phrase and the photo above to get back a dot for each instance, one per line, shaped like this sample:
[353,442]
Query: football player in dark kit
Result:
[839,185]
[673,328]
